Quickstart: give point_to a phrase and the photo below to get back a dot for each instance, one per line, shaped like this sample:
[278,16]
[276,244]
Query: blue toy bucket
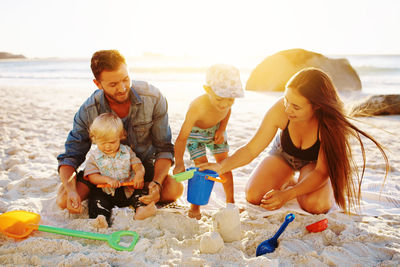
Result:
[200,187]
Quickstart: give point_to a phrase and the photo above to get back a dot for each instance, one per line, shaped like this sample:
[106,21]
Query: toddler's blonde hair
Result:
[106,126]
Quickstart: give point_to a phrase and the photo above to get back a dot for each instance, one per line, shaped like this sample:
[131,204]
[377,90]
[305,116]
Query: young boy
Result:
[205,124]
[111,163]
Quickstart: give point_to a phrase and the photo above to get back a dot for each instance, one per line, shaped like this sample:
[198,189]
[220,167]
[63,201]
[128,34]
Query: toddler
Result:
[110,163]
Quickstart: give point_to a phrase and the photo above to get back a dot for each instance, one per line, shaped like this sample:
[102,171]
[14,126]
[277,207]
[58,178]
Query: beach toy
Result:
[317,226]
[183,176]
[122,184]
[269,245]
[226,221]
[201,185]
[19,224]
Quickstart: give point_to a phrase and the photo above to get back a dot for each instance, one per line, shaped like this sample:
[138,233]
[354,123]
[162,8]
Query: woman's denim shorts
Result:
[293,162]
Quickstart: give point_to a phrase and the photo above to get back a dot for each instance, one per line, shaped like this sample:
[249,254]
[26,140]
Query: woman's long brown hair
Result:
[335,130]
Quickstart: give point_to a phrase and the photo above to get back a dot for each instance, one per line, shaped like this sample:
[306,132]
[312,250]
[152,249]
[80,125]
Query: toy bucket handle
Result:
[215,179]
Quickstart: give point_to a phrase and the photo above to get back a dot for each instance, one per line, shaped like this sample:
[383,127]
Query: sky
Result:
[209,28]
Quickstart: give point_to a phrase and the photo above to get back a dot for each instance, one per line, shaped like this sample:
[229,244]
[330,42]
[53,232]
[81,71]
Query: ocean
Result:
[379,74]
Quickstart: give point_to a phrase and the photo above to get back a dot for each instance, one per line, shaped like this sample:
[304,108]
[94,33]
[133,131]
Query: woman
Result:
[314,141]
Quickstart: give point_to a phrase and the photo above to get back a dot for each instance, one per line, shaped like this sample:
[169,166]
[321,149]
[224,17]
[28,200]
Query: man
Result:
[143,110]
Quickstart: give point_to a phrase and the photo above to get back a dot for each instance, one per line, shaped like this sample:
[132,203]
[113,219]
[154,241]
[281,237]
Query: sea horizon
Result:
[378,73]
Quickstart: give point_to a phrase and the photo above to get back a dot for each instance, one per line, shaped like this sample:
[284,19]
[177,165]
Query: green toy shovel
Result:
[19,224]
[188,174]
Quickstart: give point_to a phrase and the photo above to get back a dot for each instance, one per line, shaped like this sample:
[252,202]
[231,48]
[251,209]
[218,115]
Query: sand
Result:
[34,124]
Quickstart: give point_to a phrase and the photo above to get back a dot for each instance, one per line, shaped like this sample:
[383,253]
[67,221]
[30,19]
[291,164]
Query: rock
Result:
[5,55]
[211,243]
[377,105]
[227,222]
[273,73]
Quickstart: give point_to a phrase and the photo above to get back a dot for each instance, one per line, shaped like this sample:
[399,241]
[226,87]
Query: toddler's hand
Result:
[138,182]
[113,183]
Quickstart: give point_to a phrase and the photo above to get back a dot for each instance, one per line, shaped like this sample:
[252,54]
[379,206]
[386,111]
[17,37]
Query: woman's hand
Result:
[274,199]
[211,166]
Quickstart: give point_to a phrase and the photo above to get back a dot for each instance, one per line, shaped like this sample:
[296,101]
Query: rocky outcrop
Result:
[273,73]
[377,105]
[5,55]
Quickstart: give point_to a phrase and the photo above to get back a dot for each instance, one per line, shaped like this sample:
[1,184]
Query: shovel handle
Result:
[288,219]
[71,232]
[112,239]
[122,184]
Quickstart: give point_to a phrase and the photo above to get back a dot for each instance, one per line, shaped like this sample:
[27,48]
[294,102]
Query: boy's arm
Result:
[180,143]
[97,178]
[93,174]
[138,168]
[224,122]
[138,179]
[220,132]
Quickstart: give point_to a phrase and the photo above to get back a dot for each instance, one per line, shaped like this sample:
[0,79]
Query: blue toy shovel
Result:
[268,246]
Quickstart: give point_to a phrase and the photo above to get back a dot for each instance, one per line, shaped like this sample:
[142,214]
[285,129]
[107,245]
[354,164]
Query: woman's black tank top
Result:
[309,154]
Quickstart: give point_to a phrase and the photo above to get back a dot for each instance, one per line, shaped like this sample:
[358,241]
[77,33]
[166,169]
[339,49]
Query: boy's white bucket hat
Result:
[224,80]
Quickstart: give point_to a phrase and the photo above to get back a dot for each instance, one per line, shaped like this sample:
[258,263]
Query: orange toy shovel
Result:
[19,224]
[122,184]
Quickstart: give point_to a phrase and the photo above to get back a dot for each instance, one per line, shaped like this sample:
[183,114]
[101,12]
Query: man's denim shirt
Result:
[147,127]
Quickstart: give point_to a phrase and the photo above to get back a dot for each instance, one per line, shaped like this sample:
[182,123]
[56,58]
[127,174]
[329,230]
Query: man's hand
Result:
[74,202]
[219,137]
[154,194]
[68,192]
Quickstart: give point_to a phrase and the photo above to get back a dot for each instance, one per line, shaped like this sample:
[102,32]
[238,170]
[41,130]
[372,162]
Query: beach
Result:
[36,115]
